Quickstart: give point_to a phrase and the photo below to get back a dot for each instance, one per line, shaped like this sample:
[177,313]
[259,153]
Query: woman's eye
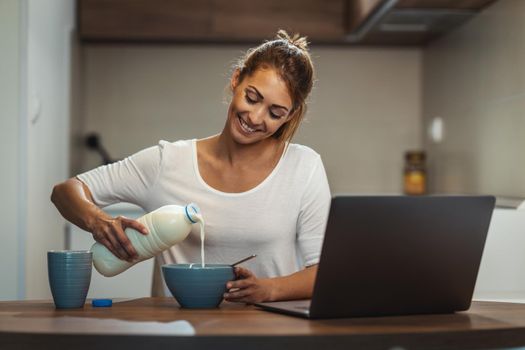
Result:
[250,100]
[275,116]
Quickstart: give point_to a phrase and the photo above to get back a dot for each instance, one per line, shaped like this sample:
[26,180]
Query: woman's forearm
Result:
[298,285]
[73,200]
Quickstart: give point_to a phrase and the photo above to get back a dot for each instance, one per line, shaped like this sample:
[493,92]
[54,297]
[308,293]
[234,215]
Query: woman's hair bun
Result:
[296,39]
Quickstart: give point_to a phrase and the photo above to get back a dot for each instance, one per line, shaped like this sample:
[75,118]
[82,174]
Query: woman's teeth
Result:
[245,126]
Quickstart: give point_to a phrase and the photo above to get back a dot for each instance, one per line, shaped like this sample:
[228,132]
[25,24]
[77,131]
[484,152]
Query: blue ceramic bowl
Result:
[197,287]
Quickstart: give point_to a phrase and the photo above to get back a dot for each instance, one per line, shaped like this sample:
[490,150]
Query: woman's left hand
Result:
[248,288]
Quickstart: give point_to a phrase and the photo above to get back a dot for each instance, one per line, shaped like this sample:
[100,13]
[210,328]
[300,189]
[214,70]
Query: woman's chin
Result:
[244,138]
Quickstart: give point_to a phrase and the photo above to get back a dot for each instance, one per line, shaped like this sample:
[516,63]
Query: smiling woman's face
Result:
[260,105]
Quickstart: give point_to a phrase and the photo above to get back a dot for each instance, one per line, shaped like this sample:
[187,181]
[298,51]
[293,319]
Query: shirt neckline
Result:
[233,194]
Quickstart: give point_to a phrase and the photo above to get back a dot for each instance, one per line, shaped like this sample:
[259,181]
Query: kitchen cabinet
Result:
[370,22]
[444,4]
[208,20]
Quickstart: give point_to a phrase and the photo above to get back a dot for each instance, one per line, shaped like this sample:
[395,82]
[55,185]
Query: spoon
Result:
[245,259]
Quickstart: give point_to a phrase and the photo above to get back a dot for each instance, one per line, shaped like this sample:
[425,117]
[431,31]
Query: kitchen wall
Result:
[135,95]
[10,91]
[474,79]
[35,41]
[50,39]
[501,275]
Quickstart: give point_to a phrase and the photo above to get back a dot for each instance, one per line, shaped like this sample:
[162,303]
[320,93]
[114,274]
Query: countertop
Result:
[37,324]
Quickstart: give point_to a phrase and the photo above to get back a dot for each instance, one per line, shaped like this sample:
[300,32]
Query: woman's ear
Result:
[234,80]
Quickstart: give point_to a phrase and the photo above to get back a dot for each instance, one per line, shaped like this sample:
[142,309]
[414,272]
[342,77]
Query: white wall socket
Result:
[436,130]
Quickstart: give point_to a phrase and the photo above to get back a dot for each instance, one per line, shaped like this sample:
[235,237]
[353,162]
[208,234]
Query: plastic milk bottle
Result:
[167,225]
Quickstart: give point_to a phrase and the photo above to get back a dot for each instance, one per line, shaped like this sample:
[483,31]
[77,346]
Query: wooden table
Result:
[35,324]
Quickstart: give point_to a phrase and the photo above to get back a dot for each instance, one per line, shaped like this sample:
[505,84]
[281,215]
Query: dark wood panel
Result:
[144,19]
[396,39]
[208,20]
[241,19]
[444,4]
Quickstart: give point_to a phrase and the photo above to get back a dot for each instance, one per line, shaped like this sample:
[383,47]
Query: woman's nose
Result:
[256,117]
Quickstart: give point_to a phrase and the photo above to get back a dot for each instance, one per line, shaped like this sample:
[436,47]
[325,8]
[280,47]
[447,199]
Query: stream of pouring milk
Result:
[200,220]
[202,242]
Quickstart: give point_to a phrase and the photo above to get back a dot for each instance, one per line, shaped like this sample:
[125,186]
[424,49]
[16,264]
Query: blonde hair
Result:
[290,57]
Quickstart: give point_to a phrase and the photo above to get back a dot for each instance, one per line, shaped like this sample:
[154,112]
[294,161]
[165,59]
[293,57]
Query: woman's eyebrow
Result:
[257,92]
[262,98]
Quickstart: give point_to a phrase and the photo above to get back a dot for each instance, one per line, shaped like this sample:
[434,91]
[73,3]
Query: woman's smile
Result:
[245,127]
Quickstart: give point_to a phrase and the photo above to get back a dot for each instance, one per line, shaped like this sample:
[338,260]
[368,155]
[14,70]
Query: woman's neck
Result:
[264,151]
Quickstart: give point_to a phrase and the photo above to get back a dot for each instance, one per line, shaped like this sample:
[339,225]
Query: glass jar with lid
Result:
[415,174]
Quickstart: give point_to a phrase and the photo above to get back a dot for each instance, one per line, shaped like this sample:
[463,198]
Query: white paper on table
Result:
[115,326]
[90,325]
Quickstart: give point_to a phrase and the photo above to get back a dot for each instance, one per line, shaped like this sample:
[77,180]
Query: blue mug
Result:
[69,273]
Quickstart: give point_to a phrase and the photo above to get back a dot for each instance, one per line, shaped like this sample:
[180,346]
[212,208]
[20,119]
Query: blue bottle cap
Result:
[192,210]
[101,302]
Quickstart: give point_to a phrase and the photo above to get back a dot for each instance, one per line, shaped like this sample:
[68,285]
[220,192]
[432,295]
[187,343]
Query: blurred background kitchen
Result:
[96,80]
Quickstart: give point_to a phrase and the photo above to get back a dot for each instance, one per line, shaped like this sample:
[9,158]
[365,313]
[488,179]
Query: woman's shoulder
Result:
[302,164]
[299,158]
[174,151]
[175,148]
[178,144]
[298,151]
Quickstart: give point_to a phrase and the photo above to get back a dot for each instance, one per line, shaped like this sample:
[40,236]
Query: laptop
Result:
[396,255]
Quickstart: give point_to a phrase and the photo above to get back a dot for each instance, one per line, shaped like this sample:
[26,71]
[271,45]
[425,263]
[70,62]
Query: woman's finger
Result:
[109,246]
[242,283]
[121,253]
[241,272]
[111,242]
[134,225]
[241,293]
[124,241]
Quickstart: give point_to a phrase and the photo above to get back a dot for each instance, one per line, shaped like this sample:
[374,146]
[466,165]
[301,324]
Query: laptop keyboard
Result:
[300,307]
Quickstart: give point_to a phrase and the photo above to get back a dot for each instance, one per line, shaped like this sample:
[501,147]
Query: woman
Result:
[259,194]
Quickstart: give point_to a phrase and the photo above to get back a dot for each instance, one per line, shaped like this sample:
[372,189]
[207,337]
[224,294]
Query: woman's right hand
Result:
[109,232]
[74,201]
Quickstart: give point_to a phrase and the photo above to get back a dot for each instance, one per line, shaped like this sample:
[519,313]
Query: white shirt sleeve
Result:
[313,215]
[128,180]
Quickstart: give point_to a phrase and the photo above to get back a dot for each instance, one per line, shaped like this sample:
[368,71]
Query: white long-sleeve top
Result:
[282,219]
